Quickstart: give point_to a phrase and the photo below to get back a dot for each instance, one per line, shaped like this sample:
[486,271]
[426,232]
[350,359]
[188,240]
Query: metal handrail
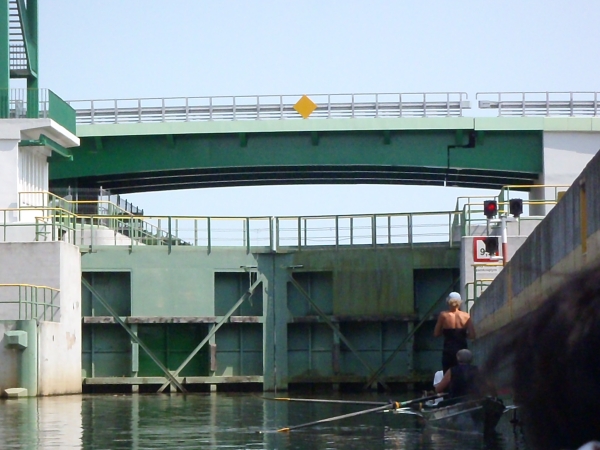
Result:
[570,104]
[264,107]
[302,232]
[471,207]
[29,302]
[44,199]
[253,233]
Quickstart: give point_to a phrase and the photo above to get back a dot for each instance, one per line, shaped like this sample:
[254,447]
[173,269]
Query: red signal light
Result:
[490,208]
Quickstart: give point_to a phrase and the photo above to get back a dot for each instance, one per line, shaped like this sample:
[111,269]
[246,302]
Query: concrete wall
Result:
[567,239]
[57,265]
[60,343]
[471,270]
[565,156]
[9,176]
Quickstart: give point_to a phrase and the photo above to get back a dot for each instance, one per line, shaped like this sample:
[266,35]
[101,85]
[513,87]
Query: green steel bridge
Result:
[140,145]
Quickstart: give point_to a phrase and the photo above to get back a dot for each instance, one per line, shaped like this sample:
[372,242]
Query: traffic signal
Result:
[490,208]
[491,245]
[515,207]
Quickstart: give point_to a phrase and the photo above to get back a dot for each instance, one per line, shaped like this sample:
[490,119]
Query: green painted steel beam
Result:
[4,59]
[45,141]
[365,124]
[139,163]
[276,126]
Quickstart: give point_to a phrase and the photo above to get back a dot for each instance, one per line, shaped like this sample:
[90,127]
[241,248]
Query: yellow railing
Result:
[30,302]
[45,200]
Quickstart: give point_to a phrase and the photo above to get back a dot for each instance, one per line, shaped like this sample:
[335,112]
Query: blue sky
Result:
[131,48]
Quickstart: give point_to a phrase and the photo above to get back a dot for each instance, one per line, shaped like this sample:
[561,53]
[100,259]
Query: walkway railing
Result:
[251,233]
[541,103]
[269,107]
[27,301]
[107,205]
[22,103]
[366,230]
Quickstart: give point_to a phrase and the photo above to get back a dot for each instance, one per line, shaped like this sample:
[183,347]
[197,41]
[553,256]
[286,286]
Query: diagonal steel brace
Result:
[113,313]
[333,327]
[246,295]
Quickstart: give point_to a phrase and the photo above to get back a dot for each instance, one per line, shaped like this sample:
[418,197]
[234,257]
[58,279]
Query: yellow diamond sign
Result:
[305,106]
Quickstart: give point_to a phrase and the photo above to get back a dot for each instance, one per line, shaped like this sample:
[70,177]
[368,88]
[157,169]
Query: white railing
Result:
[541,103]
[269,107]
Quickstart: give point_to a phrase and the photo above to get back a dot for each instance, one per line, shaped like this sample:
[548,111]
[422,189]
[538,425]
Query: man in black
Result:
[462,379]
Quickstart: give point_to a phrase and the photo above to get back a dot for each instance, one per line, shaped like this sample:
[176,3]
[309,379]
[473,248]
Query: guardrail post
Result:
[195,232]
[271,237]
[169,235]
[299,233]
[208,226]
[247,234]
[374,230]
[337,231]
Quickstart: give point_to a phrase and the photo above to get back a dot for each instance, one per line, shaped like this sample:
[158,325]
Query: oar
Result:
[331,419]
[320,400]
[393,405]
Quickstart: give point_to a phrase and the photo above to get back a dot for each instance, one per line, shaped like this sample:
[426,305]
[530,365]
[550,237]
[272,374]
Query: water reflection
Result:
[220,421]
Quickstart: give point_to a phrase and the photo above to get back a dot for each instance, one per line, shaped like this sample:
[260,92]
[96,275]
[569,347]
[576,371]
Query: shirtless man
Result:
[456,326]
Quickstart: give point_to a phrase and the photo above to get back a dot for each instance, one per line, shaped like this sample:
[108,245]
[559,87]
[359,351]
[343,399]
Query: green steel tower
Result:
[19,46]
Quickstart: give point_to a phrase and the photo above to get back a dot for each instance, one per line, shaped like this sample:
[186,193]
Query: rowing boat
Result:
[472,415]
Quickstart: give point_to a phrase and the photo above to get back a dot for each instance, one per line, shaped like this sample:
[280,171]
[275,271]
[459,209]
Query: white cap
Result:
[438,377]
[454,296]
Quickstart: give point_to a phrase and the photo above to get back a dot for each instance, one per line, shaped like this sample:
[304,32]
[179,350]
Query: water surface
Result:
[222,421]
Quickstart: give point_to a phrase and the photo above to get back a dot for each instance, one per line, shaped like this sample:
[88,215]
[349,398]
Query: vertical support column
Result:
[33,103]
[275,314]
[212,343]
[135,358]
[4,59]
[335,358]
[410,355]
[28,369]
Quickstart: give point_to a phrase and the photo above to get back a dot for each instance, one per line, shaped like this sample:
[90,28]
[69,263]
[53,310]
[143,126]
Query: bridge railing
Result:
[541,103]
[269,107]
